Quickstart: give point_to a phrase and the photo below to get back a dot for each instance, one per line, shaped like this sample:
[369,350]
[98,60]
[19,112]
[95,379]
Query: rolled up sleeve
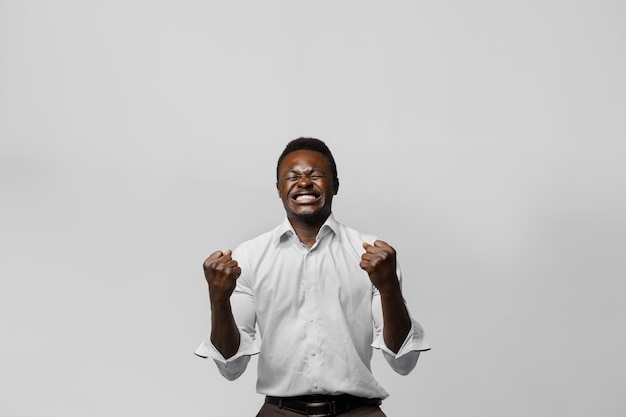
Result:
[405,360]
[234,366]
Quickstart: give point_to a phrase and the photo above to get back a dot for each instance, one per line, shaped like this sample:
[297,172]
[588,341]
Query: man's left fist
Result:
[379,261]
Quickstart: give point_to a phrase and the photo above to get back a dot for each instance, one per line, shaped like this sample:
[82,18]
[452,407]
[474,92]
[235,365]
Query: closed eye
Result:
[312,177]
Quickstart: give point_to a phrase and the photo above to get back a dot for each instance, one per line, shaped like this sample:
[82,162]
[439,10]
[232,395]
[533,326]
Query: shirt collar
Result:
[285,229]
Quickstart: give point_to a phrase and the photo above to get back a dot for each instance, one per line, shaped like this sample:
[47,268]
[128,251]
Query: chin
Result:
[311,217]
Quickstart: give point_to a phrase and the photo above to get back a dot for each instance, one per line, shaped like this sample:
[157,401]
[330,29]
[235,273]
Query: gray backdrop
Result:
[484,140]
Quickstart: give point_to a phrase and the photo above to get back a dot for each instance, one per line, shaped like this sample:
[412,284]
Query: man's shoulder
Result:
[355,235]
[259,242]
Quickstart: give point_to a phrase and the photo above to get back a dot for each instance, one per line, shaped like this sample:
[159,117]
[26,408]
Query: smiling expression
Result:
[306,186]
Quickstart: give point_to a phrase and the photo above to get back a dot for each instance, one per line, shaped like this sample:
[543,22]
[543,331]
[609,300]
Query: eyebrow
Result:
[310,171]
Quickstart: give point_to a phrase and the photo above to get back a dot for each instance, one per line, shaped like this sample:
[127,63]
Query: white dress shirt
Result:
[318,315]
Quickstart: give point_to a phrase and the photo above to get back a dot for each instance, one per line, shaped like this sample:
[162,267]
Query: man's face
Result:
[306,185]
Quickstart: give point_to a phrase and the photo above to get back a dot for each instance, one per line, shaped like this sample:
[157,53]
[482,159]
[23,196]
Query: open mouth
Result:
[305,197]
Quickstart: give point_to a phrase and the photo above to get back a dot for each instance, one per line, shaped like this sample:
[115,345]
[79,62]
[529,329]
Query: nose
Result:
[304,181]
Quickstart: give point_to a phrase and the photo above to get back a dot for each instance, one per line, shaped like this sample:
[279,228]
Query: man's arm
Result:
[221,272]
[379,261]
[396,321]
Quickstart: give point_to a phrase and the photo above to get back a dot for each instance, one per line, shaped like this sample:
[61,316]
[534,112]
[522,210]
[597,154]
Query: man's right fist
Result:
[221,272]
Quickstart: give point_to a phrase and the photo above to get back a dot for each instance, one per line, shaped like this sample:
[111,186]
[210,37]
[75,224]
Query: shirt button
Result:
[312,353]
[315,386]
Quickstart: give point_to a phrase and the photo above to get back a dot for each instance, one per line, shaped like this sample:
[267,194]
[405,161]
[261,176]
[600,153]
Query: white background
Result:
[484,140]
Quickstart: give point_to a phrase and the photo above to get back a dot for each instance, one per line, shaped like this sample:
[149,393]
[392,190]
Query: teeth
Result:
[305,197]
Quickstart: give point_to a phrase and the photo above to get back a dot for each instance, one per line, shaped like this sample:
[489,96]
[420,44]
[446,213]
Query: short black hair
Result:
[309,144]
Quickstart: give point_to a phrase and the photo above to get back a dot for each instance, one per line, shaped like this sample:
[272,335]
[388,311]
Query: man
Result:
[322,295]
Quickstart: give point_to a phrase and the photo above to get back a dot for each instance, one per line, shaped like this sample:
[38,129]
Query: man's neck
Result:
[307,230]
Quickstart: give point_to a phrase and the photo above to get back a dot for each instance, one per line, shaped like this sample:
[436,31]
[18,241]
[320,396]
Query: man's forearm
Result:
[224,332]
[396,319]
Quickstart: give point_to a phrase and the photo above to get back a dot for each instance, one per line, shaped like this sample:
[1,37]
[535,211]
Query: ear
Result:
[278,189]
[336,186]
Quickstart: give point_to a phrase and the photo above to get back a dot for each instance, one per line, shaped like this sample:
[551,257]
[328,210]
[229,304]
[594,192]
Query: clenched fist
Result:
[379,261]
[221,272]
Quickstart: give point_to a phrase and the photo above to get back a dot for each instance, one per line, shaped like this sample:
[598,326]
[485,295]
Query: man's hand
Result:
[379,261]
[221,272]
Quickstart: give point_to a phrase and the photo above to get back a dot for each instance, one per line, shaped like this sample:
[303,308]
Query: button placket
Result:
[312,348]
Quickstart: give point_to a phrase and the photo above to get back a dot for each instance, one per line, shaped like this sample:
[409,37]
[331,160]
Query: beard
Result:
[318,216]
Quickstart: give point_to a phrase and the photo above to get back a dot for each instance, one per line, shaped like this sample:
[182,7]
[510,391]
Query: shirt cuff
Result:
[414,342]
[234,366]
[405,360]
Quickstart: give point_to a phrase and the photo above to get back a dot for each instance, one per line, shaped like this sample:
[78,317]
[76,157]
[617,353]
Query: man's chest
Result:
[290,281]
